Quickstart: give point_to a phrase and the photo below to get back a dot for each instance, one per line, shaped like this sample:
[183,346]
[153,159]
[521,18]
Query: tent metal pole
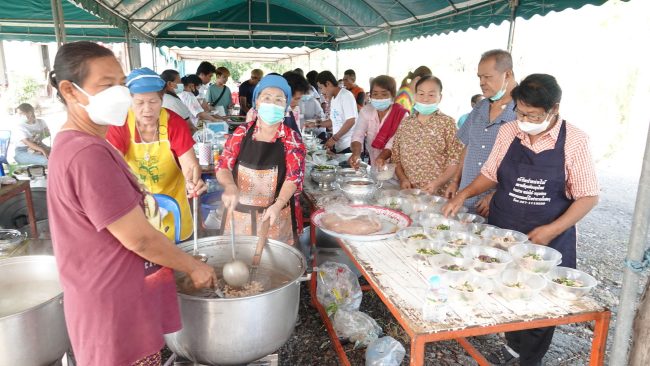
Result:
[268,12]
[513,16]
[635,251]
[153,55]
[337,61]
[388,52]
[3,66]
[57,17]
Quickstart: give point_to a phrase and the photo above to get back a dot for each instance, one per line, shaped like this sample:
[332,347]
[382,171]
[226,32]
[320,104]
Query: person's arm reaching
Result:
[579,208]
[286,193]
[454,181]
[192,173]
[137,235]
[443,178]
[478,186]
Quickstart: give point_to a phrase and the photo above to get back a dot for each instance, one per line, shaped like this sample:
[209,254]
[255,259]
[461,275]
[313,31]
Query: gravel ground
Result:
[601,251]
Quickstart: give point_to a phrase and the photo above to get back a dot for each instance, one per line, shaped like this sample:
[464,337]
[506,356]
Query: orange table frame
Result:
[10,190]
[418,341]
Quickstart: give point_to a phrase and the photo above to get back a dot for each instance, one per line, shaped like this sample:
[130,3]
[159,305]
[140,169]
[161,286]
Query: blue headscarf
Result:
[272,81]
[144,80]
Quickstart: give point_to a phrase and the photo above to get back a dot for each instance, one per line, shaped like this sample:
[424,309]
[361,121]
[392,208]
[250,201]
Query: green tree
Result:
[236,68]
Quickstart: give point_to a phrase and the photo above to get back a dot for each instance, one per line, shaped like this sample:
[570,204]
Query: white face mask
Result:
[109,107]
[534,128]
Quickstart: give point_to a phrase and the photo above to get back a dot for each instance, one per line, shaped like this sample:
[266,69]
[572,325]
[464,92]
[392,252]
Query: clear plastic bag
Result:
[356,326]
[385,351]
[337,288]
[345,219]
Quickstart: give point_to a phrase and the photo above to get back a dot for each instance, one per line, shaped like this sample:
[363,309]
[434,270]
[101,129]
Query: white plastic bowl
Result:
[480,254]
[460,238]
[565,292]
[466,286]
[406,235]
[502,238]
[535,258]
[530,284]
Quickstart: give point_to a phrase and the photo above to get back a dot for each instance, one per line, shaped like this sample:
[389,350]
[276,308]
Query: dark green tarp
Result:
[324,24]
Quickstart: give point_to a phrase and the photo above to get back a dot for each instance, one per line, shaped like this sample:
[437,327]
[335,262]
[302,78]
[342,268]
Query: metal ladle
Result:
[235,272]
[195,253]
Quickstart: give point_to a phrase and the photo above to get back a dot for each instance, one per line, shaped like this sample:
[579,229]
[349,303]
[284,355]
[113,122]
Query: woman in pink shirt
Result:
[377,123]
[114,266]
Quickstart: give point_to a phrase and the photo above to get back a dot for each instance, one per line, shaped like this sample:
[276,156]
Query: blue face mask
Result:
[270,113]
[426,109]
[179,88]
[381,104]
[500,93]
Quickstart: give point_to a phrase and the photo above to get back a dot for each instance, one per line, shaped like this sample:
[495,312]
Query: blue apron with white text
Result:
[531,192]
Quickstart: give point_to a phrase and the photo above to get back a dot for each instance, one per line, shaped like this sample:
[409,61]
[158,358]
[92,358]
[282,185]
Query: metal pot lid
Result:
[10,236]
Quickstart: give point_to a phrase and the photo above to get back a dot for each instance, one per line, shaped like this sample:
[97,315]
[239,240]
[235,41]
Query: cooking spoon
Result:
[235,272]
[261,242]
[195,253]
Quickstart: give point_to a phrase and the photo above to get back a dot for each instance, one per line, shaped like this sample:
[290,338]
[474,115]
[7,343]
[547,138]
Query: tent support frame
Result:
[513,17]
[59,28]
[635,252]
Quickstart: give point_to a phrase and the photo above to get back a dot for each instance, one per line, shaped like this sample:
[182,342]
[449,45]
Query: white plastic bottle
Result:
[435,300]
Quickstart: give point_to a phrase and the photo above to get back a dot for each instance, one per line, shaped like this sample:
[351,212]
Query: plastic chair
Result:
[171,206]
[5,138]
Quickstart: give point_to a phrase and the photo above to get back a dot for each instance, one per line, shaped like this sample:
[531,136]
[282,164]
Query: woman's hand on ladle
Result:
[203,275]
[273,213]
[230,197]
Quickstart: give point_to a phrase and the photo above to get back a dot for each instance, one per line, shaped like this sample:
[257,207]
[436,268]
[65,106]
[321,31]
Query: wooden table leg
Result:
[599,342]
[476,355]
[30,211]
[417,351]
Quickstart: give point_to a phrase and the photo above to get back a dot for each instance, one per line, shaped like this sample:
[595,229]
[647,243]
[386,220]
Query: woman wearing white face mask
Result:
[158,146]
[262,167]
[545,183]
[173,87]
[29,137]
[377,123]
[114,266]
[426,149]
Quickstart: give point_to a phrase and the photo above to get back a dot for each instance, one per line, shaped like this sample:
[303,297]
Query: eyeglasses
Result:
[273,100]
[530,117]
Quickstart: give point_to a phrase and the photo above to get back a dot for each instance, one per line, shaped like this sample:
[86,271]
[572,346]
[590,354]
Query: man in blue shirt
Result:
[479,131]
[246,91]
[474,101]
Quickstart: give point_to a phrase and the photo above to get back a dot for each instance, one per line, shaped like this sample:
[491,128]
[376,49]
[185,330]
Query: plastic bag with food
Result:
[345,219]
[385,351]
[337,288]
[356,326]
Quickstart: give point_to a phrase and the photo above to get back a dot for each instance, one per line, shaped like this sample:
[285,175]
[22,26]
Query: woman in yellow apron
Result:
[262,167]
[158,146]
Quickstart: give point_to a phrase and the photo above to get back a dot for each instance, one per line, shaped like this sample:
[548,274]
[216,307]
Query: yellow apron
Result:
[156,168]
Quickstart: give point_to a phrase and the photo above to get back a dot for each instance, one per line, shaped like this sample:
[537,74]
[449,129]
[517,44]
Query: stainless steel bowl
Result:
[10,239]
[359,190]
[324,177]
[32,324]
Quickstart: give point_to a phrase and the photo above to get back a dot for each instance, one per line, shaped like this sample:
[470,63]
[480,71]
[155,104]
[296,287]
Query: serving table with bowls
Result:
[496,280]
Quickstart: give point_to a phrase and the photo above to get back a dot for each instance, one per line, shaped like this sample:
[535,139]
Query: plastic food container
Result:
[415,234]
[516,284]
[575,284]
[466,286]
[502,238]
[460,238]
[487,261]
[468,218]
[446,263]
[443,224]
[535,258]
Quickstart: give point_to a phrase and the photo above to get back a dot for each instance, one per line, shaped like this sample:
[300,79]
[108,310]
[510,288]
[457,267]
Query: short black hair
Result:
[191,79]
[350,72]
[296,82]
[539,91]
[206,68]
[325,76]
[25,108]
[476,97]
[71,63]
[428,78]
[299,72]
[385,82]
[311,77]
[502,59]
[169,75]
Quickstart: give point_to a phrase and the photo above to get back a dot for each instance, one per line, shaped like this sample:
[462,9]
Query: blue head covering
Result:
[272,81]
[144,80]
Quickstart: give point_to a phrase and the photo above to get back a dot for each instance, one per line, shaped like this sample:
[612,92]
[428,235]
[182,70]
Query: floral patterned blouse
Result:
[294,151]
[426,149]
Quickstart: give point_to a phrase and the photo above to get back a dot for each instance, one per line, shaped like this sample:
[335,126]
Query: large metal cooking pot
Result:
[237,331]
[32,325]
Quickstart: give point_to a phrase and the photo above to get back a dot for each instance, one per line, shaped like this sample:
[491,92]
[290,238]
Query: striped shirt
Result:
[478,134]
[579,166]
